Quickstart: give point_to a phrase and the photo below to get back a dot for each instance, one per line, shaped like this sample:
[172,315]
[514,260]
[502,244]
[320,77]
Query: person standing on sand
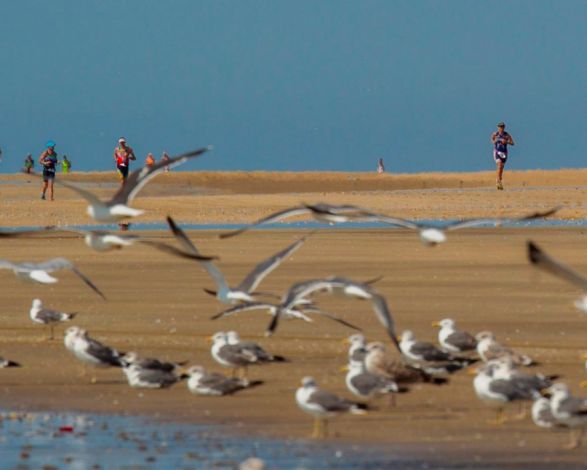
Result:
[380,167]
[48,161]
[165,158]
[29,164]
[500,139]
[122,156]
[150,160]
[65,165]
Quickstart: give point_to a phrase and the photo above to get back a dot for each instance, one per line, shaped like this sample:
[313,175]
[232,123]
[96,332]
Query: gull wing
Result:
[405,223]
[26,233]
[87,195]
[52,265]
[284,214]
[333,317]
[42,276]
[89,283]
[383,314]
[547,263]
[138,178]
[103,353]
[500,220]
[183,239]
[245,307]
[461,340]
[7,264]
[175,251]
[263,269]
[329,401]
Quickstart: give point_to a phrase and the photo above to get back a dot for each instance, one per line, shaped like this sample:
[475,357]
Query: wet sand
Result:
[156,306]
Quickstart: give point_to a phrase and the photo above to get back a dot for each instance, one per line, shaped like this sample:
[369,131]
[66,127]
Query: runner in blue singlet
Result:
[500,139]
[48,161]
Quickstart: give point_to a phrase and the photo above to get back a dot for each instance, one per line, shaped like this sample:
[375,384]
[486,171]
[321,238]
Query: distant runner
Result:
[165,158]
[500,139]
[150,161]
[122,155]
[48,161]
[380,167]
[29,164]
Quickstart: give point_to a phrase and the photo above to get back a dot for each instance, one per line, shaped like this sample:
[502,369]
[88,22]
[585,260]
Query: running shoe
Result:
[499,186]
[43,196]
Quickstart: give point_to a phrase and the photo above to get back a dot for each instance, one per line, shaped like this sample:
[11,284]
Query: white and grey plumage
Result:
[323,405]
[380,362]
[321,212]
[89,350]
[507,369]
[432,235]
[149,377]
[421,351]
[357,347]
[213,384]
[367,385]
[570,411]
[117,209]
[4,363]
[453,340]
[547,263]
[39,272]
[46,316]
[489,349]
[301,291]
[233,338]
[132,358]
[542,414]
[499,392]
[245,291]
[233,356]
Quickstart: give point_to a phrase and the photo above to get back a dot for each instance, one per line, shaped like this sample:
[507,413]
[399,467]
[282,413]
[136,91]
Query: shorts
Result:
[123,171]
[48,175]
[500,157]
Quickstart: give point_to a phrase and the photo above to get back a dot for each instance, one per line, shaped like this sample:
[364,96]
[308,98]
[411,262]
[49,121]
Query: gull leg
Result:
[522,412]
[245,375]
[51,337]
[325,428]
[392,403]
[316,429]
[499,418]
[574,443]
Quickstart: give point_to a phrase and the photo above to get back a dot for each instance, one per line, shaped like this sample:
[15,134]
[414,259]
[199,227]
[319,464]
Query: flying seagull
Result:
[245,291]
[46,316]
[39,272]
[547,263]
[432,235]
[117,209]
[103,240]
[322,212]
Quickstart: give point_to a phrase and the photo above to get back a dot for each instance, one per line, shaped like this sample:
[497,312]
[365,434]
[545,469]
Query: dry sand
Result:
[156,306]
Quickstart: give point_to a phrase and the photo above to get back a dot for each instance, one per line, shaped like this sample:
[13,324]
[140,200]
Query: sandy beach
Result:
[156,305]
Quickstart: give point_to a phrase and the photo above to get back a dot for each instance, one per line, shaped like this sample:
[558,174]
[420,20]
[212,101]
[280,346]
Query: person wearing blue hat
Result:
[48,161]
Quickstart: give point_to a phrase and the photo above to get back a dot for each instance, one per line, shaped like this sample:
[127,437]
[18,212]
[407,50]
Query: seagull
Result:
[542,414]
[244,292]
[146,377]
[379,361]
[323,405]
[299,292]
[357,347]
[103,240]
[45,316]
[570,411]
[322,212]
[39,272]
[205,383]
[233,339]
[453,340]
[7,363]
[421,351]
[489,349]
[367,385]
[547,263]
[90,351]
[431,235]
[499,392]
[132,358]
[117,209]
[230,355]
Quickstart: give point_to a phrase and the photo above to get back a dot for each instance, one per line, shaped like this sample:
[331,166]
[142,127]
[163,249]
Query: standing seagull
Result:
[489,349]
[367,385]
[39,272]
[357,347]
[146,377]
[117,209]
[8,363]
[233,338]
[245,290]
[323,405]
[421,351]
[45,316]
[452,339]
[570,411]
[233,356]
[542,414]
[547,263]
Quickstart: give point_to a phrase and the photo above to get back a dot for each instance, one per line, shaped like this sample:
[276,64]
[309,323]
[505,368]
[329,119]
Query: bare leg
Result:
[499,174]
[44,189]
[51,189]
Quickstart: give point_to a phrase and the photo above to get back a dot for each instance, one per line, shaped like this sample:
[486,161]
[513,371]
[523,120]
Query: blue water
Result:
[316,225]
[34,440]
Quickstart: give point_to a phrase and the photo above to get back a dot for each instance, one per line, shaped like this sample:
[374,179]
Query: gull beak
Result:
[584,384]
[209,339]
[584,357]
[436,324]
[399,338]
[472,371]
[346,369]
[346,341]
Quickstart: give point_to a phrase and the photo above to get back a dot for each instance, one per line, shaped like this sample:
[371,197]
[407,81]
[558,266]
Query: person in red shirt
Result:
[150,160]
[122,156]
